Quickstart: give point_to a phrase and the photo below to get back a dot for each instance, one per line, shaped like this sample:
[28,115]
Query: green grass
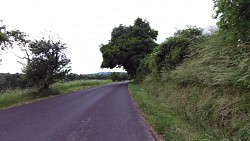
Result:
[10,98]
[67,87]
[215,64]
[164,119]
[193,113]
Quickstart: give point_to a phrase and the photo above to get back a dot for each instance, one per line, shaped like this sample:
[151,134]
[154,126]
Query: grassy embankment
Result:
[205,98]
[11,98]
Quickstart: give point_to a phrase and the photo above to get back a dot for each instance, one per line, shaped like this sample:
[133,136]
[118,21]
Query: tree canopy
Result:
[48,63]
[128,46]
[234,18]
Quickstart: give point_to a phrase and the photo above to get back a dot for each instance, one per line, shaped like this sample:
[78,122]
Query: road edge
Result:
[154,134]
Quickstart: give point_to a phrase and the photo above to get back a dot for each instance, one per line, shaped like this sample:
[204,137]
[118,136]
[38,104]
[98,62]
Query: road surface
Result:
[105,113]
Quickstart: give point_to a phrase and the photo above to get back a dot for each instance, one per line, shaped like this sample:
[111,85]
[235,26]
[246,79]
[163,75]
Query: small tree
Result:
[48,63]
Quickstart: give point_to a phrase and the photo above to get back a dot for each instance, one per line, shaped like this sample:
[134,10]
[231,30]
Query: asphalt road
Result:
[105,113]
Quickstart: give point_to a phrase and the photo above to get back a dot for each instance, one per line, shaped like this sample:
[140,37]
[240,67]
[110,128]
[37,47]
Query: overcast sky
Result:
[85,24]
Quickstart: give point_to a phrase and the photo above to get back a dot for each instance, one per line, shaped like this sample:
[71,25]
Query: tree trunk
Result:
[45,89]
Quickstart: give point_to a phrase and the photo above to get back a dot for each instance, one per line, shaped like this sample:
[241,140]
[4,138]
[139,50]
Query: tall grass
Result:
[220,76]
[167,123]
[13,97]
[209,93]
[193,112]
[216,64]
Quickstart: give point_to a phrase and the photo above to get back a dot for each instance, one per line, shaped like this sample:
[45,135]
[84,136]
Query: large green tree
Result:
[234,19]
[128,46]
[48,62]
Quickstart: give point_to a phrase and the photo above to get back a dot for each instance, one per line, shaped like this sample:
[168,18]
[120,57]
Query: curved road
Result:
[105,113]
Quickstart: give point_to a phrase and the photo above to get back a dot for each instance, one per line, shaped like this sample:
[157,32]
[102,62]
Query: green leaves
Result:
[3,35]
[48,64]
[234,19]
[128,46]
[12,37]
[173,51]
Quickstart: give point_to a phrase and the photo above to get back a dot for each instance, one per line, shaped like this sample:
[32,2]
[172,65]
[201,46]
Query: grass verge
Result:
[10,98]
[165,122]
[206,97]
[193,113]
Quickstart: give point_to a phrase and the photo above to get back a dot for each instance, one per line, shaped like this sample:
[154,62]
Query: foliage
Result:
[234,19]
[48,63]
[118,76]
[203,81]
[175,49]
[17,80]
[10,38]
[3,35]
[216,64]
[171,53]
[128,46]
[209,90]
[97,76]
[146,67]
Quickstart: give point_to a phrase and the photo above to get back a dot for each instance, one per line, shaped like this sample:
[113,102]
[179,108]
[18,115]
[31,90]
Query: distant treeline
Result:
[114,76]
[18,80]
